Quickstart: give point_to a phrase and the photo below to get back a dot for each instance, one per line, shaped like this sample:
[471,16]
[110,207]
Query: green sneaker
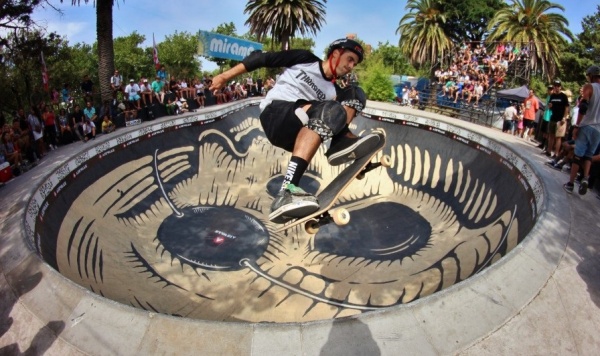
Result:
[291,203]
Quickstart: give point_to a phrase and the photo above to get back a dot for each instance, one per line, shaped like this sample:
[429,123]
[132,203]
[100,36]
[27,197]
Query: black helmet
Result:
[346,43]
[593,71]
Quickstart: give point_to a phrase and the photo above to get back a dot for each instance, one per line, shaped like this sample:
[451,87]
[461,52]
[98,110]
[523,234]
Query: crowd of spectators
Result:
[474,68]
[70,115]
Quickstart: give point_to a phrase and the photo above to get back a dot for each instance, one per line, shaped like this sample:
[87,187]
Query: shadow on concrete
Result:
[44,338]
[348,335]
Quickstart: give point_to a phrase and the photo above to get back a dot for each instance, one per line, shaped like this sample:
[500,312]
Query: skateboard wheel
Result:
[340,216]
[386,161]
[311,227]
[360,176]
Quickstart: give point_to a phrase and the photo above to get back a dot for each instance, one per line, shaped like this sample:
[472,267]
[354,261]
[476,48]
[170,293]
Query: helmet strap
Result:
[332,67]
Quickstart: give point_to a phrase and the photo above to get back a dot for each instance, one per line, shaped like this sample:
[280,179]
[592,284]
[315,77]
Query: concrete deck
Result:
[542,298]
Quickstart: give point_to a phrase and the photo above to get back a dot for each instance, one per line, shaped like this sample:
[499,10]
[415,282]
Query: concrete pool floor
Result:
[543,297]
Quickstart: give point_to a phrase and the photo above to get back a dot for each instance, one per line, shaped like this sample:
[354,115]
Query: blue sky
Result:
[374,21]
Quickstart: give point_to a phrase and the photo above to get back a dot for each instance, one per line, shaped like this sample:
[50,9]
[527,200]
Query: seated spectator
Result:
[106,109]
[186,90]
[174,87]
[477,93]
[89,130]
[158,90]
[172,107]
[10,153]
[146,92]
[182,106]
[107,125]
[413,96]
[132,91]
[66,134]
[199,86]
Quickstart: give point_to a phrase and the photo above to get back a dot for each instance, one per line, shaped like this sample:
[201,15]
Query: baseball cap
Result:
[131,80]
[557,83]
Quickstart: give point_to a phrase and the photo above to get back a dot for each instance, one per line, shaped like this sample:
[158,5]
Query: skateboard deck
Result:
[329,195]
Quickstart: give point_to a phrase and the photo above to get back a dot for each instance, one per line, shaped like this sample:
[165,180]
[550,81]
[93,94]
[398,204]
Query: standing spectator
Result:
[35,127]
[87,88]
[586,131]
[510,115]
[116,84]
[249,85]
[161,74]
[543,129]
[65,94]
[50,128]
[559,106]
[531,106]
[132,90]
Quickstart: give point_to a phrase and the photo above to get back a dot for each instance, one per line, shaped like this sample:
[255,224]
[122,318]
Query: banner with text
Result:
[227,47]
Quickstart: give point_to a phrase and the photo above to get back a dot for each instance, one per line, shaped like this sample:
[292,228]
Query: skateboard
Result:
[329,195]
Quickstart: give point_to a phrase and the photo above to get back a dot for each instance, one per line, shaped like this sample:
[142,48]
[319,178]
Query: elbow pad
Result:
[583,106]
[254,60]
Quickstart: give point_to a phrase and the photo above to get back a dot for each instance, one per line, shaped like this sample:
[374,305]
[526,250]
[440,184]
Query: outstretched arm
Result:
[221,80]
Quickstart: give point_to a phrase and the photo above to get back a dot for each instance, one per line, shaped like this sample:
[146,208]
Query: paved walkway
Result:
[543,298]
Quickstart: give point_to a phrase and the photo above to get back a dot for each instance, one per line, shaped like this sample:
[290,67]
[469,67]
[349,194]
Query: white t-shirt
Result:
[132,89]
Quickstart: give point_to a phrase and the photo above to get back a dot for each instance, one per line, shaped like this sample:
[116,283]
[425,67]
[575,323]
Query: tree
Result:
[179,53]
[283,19]
[377,83]
[422,34]
[15,15]
[104,35]
[467,20]
[392,57]
[21,67]
[530,23]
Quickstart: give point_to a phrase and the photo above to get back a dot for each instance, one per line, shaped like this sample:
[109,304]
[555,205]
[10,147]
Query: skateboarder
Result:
[304,109]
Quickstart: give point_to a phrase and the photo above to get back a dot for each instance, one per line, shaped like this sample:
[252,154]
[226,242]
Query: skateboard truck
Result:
[341,216]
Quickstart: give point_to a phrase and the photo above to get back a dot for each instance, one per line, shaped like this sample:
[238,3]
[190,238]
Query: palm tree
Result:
[530,22]
[282,19]
[104,35]
[421,30]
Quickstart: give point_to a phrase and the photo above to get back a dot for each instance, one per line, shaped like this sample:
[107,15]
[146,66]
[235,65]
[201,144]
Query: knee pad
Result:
[326,118]
[352,96]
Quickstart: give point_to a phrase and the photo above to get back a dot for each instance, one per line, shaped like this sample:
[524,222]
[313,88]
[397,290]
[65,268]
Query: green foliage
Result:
[179,54]
[130,58]
[283,20]
[376,82]
[392,58]
[15,15]
[534,22]
[422,31]
[467,19]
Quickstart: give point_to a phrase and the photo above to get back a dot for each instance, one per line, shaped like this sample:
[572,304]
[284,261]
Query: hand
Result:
[218,82]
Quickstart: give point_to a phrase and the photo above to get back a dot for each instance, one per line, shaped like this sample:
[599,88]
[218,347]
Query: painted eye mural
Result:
[173,219]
